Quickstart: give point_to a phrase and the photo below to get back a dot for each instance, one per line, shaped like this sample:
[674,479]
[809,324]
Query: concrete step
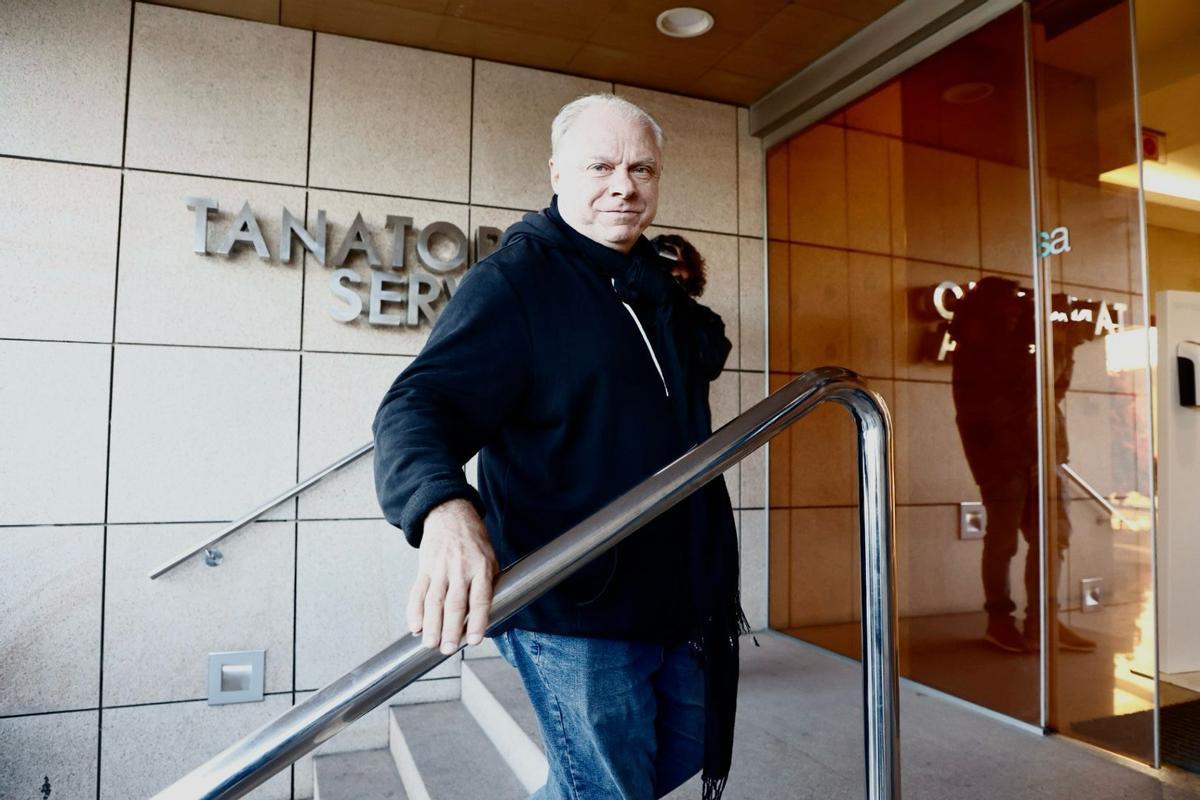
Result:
[443,754]
[493,694]
[799,734]
[360,775]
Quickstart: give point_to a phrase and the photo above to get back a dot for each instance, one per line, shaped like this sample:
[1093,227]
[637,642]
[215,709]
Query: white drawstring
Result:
[645,339]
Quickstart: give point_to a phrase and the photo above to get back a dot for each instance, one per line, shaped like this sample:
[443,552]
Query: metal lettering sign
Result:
[391,299]
[1105,317]
[1054,243]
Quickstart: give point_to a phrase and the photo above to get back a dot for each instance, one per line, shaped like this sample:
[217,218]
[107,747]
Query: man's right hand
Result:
[456,571]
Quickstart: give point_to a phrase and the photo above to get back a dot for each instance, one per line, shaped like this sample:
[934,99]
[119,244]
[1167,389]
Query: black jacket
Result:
[538,365]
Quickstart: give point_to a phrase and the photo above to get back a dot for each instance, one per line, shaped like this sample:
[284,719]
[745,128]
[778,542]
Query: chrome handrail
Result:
[249,517]
[1094,494]
[251,761]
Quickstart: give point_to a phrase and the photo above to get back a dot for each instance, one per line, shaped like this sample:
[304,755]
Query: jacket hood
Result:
[536,225]
[548,227]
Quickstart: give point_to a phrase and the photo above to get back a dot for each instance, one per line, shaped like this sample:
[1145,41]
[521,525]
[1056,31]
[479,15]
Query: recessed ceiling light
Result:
[970,92]
[684,22]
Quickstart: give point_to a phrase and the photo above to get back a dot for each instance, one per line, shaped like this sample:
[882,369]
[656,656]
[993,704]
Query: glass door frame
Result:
[900,39]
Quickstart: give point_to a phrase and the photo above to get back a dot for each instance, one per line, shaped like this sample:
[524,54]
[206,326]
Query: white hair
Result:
[570,112]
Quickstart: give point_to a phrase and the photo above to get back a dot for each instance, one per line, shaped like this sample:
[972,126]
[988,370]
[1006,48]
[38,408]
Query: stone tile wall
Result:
[151,393]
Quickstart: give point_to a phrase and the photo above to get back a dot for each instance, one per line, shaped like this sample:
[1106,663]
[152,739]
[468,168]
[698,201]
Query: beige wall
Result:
[150,393]
[1173,258]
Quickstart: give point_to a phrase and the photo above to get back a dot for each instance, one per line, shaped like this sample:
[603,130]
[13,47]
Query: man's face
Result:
[605,174]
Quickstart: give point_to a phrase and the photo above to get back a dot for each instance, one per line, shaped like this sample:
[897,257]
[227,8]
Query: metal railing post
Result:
[881,701]
[250,762]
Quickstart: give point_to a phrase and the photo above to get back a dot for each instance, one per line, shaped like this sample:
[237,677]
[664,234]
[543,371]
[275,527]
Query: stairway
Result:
[485,746]
[799,736]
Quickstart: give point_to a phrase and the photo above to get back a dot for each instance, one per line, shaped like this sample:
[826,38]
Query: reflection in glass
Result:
[1169,89]
[995,396]
[995,401]
[902,246]
[1103,587]
[885,220]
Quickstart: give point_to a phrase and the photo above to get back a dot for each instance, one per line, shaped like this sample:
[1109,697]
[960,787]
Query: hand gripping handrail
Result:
[251,761]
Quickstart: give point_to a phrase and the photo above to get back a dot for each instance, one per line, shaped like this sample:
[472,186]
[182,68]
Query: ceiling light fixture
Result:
[684,22]
[1170,184]
[970,92]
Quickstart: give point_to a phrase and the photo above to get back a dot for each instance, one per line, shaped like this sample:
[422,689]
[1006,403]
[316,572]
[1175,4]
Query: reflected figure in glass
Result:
[994,383]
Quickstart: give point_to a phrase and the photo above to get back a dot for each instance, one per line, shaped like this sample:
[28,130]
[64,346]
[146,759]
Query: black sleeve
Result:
[704,333]
[452,400]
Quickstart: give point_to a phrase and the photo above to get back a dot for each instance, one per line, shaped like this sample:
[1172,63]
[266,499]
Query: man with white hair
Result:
[574,364]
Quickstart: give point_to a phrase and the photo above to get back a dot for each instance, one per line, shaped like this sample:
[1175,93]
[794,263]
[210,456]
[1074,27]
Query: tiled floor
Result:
[947,652]
[799,735]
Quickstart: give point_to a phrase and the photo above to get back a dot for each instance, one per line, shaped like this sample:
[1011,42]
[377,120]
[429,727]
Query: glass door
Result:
[1095,380]
[999,309]
[1169,98]
[900,234]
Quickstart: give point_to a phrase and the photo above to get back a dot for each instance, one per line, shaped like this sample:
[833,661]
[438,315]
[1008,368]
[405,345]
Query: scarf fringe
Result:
[714,787]
[743,624]
[741,628]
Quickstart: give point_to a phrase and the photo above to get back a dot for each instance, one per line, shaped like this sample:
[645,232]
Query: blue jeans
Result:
[620,720]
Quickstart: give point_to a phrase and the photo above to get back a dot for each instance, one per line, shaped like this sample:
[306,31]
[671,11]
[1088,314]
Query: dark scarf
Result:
[642,279]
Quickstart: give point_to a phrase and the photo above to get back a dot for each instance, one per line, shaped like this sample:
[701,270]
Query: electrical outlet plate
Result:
[1091,594]
[972,520]
[236,677]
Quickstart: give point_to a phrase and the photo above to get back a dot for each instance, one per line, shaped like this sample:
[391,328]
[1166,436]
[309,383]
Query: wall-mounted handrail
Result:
[249,517]
[251,761]
[1091,492]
